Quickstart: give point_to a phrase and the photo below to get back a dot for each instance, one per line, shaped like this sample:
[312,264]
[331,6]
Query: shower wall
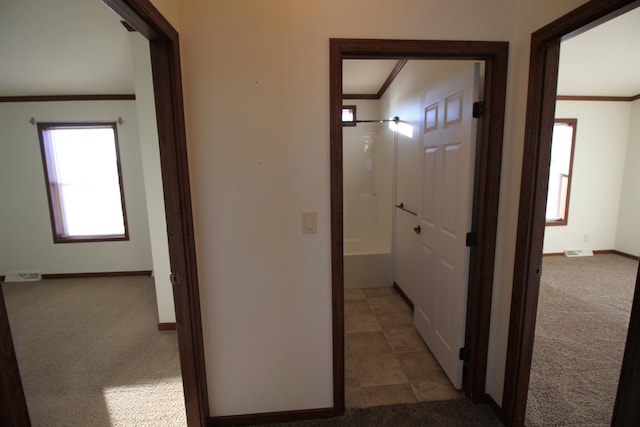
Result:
[367,168]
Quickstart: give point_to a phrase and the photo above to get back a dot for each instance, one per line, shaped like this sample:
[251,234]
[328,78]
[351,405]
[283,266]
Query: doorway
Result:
[387,360]
[495,55]
[543,75]
[143,17]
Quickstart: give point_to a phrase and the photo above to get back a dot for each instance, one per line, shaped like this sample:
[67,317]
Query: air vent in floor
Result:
[23,276]
[578,252]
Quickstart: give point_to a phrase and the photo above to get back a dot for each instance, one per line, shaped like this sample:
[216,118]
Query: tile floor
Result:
[386,361]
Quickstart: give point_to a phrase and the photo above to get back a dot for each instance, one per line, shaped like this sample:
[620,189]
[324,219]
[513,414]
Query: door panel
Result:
[448,153]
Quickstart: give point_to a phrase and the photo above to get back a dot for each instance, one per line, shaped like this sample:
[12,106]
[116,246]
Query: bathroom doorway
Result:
[488,156]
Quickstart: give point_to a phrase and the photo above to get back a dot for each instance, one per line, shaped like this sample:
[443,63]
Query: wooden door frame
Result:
[167,83]
[487,184]
[543,75]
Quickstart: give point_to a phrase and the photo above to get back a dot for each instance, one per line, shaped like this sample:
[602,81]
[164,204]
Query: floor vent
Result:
[578,252]
[23,276]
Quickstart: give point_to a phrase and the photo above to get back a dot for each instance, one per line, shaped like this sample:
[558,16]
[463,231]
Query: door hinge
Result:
[478,109]
[465,354]
[173,278]
[471,239]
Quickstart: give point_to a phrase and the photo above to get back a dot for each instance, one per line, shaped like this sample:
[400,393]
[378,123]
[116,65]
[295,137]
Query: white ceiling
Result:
[79,47]
[365,76]
[604,61]
[63,47]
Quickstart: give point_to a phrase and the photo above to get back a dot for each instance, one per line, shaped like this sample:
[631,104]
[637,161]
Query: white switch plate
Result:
[309,222]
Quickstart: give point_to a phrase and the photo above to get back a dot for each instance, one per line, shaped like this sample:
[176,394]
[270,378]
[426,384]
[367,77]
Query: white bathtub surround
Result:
[367,264]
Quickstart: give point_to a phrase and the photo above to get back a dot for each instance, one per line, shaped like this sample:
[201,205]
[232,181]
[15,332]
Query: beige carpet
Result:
[90,353]
[581,329]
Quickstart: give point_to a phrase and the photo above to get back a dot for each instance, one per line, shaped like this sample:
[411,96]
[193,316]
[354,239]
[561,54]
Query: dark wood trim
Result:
[541,100]
[485,219]
[271,417]
[128,27]
[167,83]
[626,411]
[594,98]
[553,254]
[13,405]
[598,252]
[67,98]
[336,54]
[635,97]
[494,405]
[96,274]
[403,295]
[167,326]
[390,78]
[360,96]
[624,254]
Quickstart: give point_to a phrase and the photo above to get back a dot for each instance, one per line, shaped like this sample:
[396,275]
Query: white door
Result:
[444,215]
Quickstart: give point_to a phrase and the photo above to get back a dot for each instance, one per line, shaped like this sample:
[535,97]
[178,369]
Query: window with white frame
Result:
[84,183]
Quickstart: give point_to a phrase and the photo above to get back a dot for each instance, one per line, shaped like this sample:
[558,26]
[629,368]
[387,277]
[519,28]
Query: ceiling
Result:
[604,61]
[63,47]
[79,47]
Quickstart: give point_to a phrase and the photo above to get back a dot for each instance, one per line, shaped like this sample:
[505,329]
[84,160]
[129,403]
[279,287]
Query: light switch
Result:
[309,222]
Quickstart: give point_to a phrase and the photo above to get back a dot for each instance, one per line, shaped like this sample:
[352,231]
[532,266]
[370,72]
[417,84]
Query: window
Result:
[562,145]
[84,184]
[348,115]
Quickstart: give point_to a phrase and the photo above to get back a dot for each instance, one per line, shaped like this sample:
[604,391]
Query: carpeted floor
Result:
[581,329]
[446,413]
[90,353]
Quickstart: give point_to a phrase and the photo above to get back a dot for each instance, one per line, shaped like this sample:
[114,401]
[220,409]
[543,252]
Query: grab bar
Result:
[401,206]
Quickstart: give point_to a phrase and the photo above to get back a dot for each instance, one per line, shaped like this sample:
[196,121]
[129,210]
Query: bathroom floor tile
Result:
[380,304]
[351,379]
[386,361]
[419,366]
[395,319]
[385,292]
[388,395]
[354,398]
[361,322]
[380,369]
[356,306]
[351,294]
[367,343]
[435,390]
[405,340]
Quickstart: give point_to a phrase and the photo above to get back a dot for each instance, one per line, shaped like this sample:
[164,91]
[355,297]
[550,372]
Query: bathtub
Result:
[367,264]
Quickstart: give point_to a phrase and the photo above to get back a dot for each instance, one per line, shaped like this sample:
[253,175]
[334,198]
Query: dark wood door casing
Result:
[543,74]
[167,82]
[487,184]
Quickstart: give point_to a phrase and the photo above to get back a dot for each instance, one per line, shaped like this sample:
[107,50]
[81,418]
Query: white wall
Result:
[628,232]
[27,238]
[598,167]
[149,146]
[256,78]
